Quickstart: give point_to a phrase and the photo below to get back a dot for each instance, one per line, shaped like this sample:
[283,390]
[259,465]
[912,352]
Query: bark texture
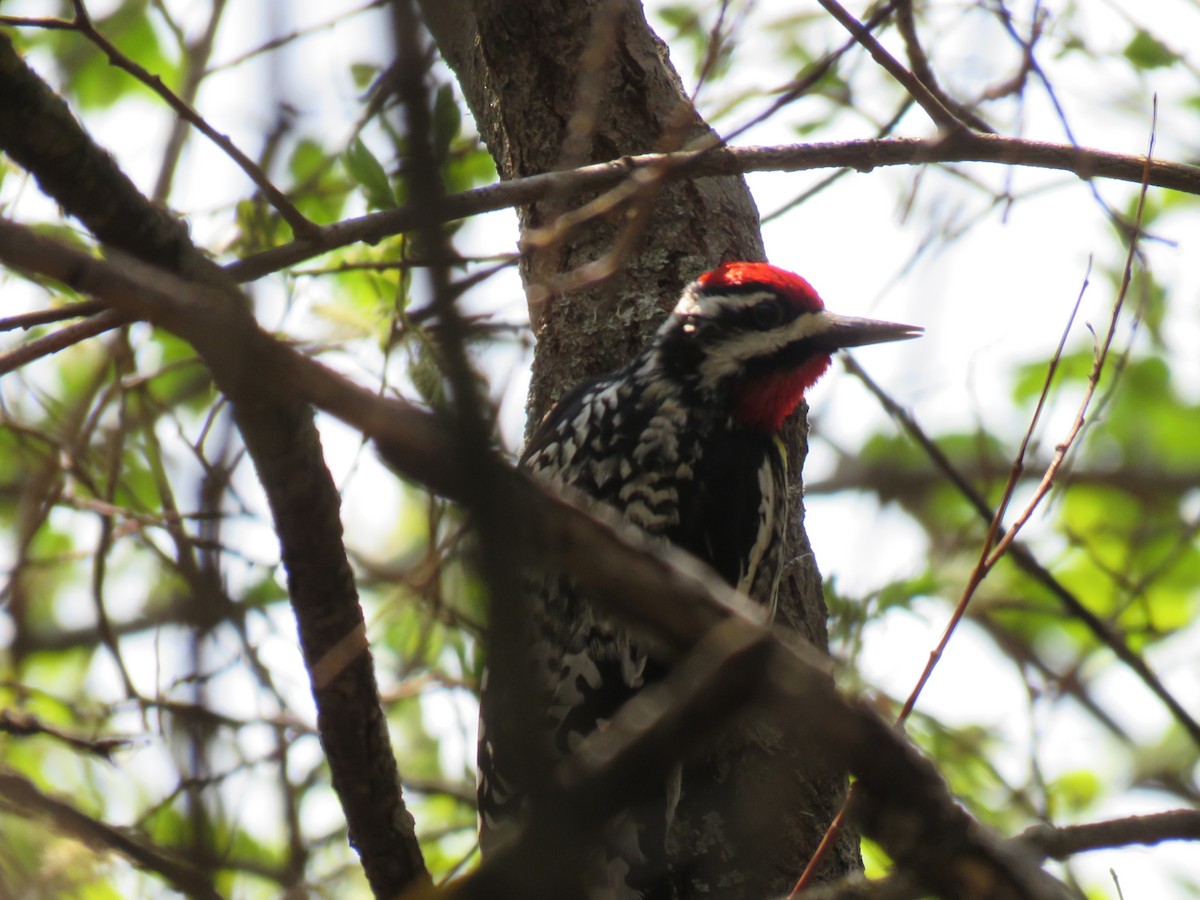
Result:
[556,83]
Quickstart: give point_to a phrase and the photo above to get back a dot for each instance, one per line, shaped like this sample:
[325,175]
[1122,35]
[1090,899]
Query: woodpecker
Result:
[684,443]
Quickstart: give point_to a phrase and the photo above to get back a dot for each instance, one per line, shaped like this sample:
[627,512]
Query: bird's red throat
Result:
[764,402]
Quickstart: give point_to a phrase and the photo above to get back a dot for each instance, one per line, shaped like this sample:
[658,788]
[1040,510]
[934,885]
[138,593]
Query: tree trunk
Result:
[562,83]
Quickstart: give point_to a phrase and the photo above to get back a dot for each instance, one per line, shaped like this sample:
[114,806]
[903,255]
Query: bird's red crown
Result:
[744,274]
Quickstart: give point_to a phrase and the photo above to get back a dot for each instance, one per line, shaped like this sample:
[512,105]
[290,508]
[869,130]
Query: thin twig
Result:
[1027,562]
[65,337]
[195,58]
[987,557]
[829,179]
[20,794]
[283,40]
[300,225]
[811,77]
[989,554]
[1030,61]
[941,115]
[921,69]
[25,321]
[659,589]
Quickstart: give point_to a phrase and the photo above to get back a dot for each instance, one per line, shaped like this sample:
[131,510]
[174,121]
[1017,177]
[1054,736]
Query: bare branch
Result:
[20,794]
[662,591]
[280,436]
[925,96]
[923,71]
[82,23]
[864,155]
[29,320]
[23,724]
[65,337]
[1028,563]
[1067,840]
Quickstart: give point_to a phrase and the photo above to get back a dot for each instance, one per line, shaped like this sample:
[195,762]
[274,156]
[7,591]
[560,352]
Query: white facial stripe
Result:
[730,356]
[693,304]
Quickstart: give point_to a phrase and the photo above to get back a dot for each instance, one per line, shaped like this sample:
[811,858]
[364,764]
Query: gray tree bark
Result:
[561,83]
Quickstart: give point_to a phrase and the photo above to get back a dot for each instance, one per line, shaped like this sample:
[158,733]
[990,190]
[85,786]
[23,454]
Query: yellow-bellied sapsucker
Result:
[683,442]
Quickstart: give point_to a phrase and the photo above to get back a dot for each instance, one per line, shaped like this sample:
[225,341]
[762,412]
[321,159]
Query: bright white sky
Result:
[997,297]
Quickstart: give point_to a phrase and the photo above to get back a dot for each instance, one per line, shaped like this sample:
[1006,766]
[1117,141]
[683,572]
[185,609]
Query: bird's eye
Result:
[768,314]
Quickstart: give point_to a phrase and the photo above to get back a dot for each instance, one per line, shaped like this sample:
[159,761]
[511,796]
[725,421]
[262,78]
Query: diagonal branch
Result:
[1029,564]
[905,805]
[925,96]
[923,71]
[39,133]
[83,24]
[65,337]
[17,792]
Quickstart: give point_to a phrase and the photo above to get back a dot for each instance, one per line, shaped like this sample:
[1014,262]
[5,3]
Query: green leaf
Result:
[1074,367]
[681,16]
[1146,51]
[317,187]
[369,172]
[447,120]
[426,375]
[96,83]
[1076,791]
[363,74]
[469,169]
[1149,421]
[876,862]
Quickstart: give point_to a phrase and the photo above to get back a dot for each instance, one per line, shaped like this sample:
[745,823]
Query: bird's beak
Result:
[847,331]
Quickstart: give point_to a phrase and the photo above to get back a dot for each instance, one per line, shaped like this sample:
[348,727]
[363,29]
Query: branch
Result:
[1067,840]
[661,591]
[1049,841]
[924,94]
[82,23]
[25,321]
[65,337]
[39,133]
[1028,563]
[864,155]
[17,792]
[20,723]
[909,484]
[923,72]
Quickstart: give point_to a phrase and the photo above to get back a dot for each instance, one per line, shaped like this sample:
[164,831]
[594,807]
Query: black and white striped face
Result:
[760,335]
